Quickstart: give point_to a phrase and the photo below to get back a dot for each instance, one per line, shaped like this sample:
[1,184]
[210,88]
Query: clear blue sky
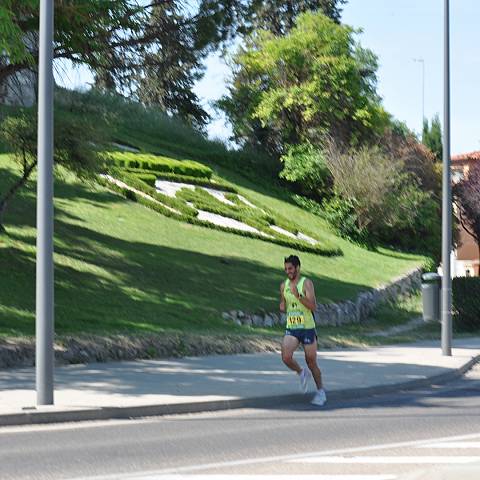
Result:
[399,31]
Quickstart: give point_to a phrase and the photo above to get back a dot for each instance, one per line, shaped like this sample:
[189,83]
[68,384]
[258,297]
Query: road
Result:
[379,438]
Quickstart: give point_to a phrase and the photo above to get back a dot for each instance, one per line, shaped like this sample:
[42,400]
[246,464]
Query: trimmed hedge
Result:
[157,164]
[466,304]
[131,180]
[260,218]
[148,178]
[188,215]
[174,177]
[205,201]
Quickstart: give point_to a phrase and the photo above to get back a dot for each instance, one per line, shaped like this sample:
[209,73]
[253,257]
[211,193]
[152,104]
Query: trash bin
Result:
[431,296]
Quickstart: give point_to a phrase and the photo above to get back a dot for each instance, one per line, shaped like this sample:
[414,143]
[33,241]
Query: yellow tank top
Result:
[298,315]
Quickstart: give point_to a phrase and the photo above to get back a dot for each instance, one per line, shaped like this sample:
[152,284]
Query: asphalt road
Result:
[380,438]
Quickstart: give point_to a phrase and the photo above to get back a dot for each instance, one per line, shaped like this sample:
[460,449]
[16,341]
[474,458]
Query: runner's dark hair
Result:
[293,259]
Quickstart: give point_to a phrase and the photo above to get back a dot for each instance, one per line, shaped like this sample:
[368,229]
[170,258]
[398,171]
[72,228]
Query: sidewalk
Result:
[156,387]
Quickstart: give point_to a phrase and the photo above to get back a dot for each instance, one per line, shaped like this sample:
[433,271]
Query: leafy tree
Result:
[76,140]
[402,145]
[168,74]
[119,40]
[218,22]
[432,137]
[312,82]
[466,195]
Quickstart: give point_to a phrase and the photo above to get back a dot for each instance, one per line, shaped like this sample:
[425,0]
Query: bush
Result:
[204,201]
[305,166]
[174,177]
[379,201]
[342,216]
[466,304]
[158,164]
[148,178]
[140,185]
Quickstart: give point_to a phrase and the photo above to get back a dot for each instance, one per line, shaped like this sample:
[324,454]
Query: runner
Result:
[297,300]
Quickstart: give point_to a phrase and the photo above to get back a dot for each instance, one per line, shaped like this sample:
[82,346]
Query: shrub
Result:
[342,216]
[377,199]
[140,185]
[466,304]
[158,164]
[174,177]
[210,203]
[148,178]
[305,166]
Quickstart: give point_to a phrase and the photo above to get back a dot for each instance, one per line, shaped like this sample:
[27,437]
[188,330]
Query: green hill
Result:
[123,267]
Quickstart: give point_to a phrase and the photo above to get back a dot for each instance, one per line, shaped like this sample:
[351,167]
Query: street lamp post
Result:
[446,199]
[44,279]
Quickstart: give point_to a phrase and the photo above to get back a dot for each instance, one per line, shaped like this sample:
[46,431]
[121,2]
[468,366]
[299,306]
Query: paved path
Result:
[148,387]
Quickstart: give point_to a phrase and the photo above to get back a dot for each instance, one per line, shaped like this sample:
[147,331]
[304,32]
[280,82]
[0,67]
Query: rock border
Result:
[341,313]
[20,352]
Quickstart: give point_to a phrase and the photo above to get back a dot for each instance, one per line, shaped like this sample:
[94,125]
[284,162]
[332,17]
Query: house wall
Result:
[467,258]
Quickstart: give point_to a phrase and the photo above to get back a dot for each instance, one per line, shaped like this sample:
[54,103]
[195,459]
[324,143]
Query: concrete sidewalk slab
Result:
[155,387]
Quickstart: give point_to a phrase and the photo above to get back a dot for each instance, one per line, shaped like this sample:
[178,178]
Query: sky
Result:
[398,32]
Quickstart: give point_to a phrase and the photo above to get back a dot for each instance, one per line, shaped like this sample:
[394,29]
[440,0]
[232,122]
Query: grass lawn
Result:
[120,267]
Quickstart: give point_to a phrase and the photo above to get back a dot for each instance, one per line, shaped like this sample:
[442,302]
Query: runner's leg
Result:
[311,359]
[289,345]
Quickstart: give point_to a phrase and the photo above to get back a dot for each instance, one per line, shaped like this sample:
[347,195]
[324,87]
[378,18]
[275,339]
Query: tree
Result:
[466,196]
[219,22]
[297,88]
[77,143]
[432,137]
[119,40]
[402,145]
[168,74]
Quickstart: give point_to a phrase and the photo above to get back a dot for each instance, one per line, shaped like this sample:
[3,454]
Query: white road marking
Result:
[452,445]
[392,460]
[282,458]
[253,477]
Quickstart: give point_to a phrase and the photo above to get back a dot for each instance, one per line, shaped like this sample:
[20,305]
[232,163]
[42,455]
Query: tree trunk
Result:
[4,201]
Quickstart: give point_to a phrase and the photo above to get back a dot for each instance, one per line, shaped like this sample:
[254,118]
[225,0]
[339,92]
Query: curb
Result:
[32,416]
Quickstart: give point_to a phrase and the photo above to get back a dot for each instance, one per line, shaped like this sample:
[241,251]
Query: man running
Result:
[297,300]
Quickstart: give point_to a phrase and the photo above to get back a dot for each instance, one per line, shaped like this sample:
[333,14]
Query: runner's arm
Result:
[308,298]
[282,298]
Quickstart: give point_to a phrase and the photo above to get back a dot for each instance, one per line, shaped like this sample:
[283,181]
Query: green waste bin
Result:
[431,296]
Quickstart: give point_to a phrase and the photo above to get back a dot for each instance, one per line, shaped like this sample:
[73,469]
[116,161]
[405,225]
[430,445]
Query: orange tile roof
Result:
[462,157]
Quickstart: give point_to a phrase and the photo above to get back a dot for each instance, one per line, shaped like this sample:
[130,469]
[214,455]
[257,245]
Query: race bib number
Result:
[296,320]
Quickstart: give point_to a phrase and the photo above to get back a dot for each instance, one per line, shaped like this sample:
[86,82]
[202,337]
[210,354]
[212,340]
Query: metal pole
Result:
[447,201]
[44,286]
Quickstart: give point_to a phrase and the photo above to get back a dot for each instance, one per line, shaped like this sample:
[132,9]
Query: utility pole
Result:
[446,198]
[44,279]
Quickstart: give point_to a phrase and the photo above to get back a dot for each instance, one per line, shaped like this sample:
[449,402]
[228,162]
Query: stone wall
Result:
[336,314]
[20,352]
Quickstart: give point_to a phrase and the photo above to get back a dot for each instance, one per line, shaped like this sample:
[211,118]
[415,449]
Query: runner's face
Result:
[291,271]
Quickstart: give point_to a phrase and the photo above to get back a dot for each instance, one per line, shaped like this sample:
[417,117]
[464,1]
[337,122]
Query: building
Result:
[466,258]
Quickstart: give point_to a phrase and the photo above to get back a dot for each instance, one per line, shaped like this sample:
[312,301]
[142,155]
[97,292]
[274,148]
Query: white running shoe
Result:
[304,377]
[320,398]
